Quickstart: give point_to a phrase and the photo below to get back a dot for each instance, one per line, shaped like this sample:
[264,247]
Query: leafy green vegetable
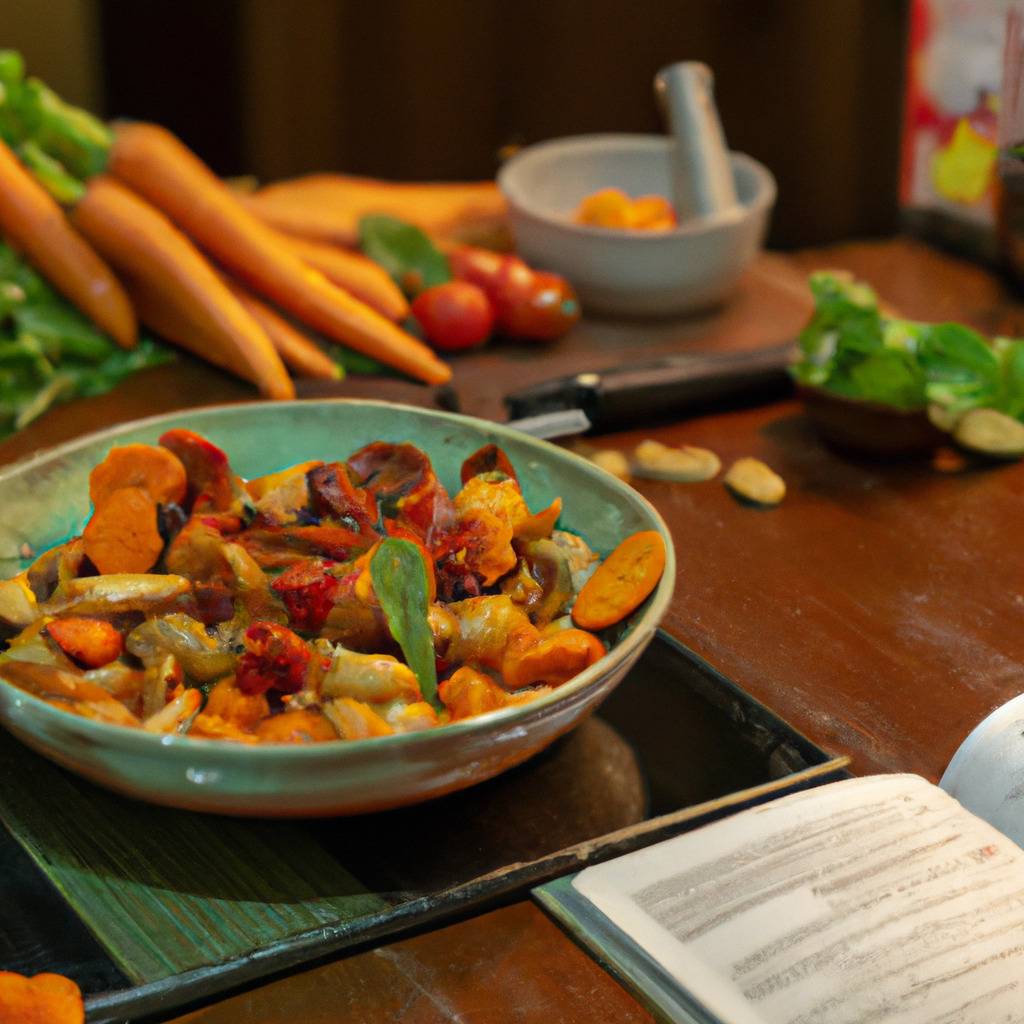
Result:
[400,583]
[404,251]
[32,113]
[49,352]
[851,349]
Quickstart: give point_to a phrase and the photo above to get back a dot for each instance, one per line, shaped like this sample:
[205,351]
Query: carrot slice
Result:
[36,225]
[622,581]
[156,470]
[122,535]
[356,273]
[299,352]
[152,161]
[92,642]
[44,999]
[175,289]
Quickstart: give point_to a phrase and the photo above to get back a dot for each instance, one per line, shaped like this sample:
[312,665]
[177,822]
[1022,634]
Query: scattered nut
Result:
[684,465]
[991,433]
[753,480]
[612,461]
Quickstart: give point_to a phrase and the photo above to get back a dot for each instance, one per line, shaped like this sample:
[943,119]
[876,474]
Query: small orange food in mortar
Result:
[612,208]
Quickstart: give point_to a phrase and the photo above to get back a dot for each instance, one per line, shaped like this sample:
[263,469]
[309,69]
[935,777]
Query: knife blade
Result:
[675,386]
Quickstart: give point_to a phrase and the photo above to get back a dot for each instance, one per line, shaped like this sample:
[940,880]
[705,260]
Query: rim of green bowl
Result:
[640,630]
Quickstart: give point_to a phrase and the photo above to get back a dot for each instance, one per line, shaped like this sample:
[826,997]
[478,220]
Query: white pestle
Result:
[702,180]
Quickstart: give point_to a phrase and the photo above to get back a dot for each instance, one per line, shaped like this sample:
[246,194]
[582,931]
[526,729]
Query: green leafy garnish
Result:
[405,252]
[851,349]
[400,583]
[50,352]
[72,139]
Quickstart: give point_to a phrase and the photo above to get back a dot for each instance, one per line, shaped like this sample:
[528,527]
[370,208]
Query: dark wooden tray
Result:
[150,910]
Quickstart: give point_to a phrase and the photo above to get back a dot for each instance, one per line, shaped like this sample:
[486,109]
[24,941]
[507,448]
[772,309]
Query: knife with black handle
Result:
[676,386]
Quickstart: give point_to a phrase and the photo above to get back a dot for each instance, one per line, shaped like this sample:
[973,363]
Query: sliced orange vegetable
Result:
[329,207]
[299,352]
[91,642]
[356,273]
[553,659]
[469,693]
[122,535]
[36,225]
[175,289]
[44,999]
[156,470]
[622,581]
[306,726]
[157,165]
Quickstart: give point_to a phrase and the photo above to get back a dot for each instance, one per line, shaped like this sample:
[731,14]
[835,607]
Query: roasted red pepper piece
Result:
[402,480]
[207,469]
[275,659]
[308,592]
[488,459]
[332,494]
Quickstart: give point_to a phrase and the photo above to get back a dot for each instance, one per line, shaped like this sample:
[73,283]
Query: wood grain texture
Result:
[511,966]
[879,609]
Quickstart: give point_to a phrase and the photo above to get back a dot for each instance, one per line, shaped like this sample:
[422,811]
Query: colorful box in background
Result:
[948,180]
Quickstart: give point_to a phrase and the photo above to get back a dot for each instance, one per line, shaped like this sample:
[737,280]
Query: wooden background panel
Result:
[410,89]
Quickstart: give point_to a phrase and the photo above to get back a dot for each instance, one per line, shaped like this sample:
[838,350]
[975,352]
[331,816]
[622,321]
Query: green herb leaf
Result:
[963,370]
[405,252]
[400,583]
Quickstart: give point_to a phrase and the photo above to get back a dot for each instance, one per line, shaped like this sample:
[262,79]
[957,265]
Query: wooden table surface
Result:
[879,609]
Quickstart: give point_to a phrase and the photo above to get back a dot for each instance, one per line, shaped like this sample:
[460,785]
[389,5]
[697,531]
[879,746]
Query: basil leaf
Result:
[400,583]
[963,370]
[404,251]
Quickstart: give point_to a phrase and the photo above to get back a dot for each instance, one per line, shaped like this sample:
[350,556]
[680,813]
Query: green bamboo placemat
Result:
[167,891]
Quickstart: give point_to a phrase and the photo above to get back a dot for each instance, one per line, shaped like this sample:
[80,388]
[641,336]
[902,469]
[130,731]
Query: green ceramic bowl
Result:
[44,500]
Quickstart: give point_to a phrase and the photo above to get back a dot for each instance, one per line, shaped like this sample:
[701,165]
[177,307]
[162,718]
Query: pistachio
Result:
[684,465]
[991,433]
[752,480]
[611,460]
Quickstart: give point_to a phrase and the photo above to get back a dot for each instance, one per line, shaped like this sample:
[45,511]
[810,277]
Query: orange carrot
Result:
[176,290]
[92,642]
[43,999]
[300,353]
[156,470]
[356,273]
[622,581]
[33,222]
[328,207]
[157,165]
[122,535]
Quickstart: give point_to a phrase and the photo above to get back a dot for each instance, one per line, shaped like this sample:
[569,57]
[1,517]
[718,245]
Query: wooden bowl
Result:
[870,428]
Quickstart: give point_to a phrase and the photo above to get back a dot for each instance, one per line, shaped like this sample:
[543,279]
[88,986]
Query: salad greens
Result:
[49,352]
[61,140]
[400,583]
[851,349]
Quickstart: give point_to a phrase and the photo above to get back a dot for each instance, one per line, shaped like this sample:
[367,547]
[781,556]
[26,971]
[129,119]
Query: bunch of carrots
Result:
[130,225]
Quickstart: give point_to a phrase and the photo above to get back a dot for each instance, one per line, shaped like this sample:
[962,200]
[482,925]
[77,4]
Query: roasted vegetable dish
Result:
[330,600]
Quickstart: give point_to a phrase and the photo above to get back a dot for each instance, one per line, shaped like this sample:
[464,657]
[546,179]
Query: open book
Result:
[877,899]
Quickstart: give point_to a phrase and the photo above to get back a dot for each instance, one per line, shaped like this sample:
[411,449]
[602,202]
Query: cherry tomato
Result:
[478,266]
[454,316]
[545,310]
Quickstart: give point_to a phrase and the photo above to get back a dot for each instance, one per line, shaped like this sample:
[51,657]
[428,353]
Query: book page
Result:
[869,901]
